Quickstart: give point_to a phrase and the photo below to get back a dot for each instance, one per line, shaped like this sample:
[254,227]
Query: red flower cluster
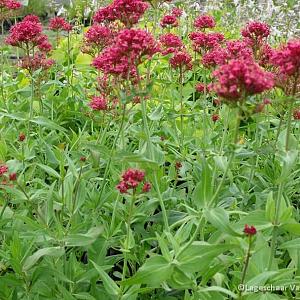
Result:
[204,21]
[27,35]
[129,48]
[287,58]
[296,114]
[128,12]
[200,87]
[59,24]
[3,169]
[182,60]
[9,4]
[217,56]
[215,117]
[98,36]
[204,41]
[171,43]
[22,137]
[176,12]
[131,179]
[169,21]
[38,61]
[249,230]
[238,49]
[256,31]
[240,78]
[98,103]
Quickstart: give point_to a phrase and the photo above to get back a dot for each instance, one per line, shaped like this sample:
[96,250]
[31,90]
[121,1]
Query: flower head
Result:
[177,12]
[241,78]
[287,58]
[249,230]
[9,4]
[256,31]
[204,21]
[169,21]
[181,59]
[128,12]
[98,103]
[170,43]
[131,179]
[22,137]
[3,169]
[60,24]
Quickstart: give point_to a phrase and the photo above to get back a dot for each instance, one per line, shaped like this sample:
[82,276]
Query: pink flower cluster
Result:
[205,21]
[9,4]
[241,78]
[287,58]
[98,103]
[27,35]
[256,31]
[60,24]
[169,21]
[205,41]
[35,62]
[131,179]
[3,169]
[127,52]
[171,43]
[128,12]
[181,60]
[176,12]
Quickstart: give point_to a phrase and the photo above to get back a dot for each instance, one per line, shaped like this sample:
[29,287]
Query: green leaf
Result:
[83,239]
[157,114]
[49,170]
[218,289]
[47,123]
[51,251]
[204,190]
[109,285]
[218,217]
[293,244]
[200,252]
[154,272]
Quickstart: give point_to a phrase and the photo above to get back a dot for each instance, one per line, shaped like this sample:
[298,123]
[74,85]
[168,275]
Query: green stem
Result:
[99,201]
[276,223]
[289,123]
[156,184]
[181,108]
[248,255]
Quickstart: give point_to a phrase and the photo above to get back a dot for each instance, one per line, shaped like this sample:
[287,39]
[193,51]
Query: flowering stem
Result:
[289,123]
[275,223]
[181,107]
[132,202]
[156,184]
[248,255]
[111,156]
[2,66]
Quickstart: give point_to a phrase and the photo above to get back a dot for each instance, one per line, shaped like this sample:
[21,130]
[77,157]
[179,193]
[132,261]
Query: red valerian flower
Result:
[13,176]
[171,43]
[249,230]
[98,36]
[9,4]
[181,59]
[38,61]
[256,31]
[287,58]
[98,103]
[127,52]
[128,12]
[131,179]
[241,78]
[27,35]
[22,137]
[238,49]
[146,187]
[200,87]
[3,169]
[205,21]
[296,114]
[59,24]
[215,57]
[205,41]
[215,117]
[176,12]
[169,21]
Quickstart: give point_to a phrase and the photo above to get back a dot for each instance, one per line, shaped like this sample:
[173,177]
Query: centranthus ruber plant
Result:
[156,131]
